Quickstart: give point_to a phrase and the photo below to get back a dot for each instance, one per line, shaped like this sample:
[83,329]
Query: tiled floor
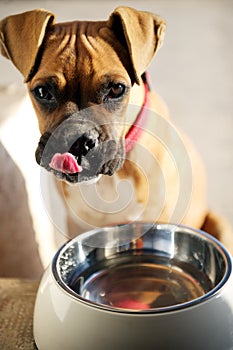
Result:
[193,73]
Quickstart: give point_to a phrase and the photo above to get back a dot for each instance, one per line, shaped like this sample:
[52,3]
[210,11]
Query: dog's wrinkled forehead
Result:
[23,36]
[79,51]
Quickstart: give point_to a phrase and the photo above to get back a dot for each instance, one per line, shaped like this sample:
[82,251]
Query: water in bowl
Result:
[140,282]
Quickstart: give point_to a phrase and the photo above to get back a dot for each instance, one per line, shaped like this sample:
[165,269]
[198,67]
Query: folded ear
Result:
[141,32]
[21,37]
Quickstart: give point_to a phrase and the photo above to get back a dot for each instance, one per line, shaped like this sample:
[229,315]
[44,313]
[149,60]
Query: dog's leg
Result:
[220,228]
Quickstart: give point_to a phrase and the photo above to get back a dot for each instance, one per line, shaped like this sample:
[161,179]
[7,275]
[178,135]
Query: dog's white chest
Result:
[108,201]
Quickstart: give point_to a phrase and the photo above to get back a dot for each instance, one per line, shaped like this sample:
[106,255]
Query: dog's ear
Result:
[141,32]
[21,37]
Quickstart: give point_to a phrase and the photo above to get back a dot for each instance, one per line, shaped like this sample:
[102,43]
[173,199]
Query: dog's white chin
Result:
[92,181]
[86,182]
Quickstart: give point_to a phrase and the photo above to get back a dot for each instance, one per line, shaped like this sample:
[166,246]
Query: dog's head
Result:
[80,76]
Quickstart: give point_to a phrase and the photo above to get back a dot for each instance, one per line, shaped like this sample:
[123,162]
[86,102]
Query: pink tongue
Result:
[65,163]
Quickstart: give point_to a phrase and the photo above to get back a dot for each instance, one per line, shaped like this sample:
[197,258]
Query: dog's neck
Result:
[136,129]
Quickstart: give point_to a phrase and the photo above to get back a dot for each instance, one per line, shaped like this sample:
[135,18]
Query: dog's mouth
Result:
[69,164]
[91,154]
[65,163]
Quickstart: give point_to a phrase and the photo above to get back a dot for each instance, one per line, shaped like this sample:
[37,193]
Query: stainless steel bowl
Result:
[146,267]
[127,280]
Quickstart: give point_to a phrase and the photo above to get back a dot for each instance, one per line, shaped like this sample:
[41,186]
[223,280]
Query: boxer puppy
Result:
[102,128]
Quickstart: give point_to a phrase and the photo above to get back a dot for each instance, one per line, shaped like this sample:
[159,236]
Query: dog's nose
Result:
[85,143]
[89,143]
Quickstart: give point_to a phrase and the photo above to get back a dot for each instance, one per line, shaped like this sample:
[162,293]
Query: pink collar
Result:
[137,128]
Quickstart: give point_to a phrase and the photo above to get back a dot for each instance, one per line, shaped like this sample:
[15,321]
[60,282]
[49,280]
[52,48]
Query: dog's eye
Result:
[43,93]
[116,91]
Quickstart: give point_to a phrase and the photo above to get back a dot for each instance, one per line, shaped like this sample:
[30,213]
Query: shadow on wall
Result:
[18,249]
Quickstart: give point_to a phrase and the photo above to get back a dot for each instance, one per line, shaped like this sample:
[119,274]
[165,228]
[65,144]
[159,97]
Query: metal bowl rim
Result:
[204,235]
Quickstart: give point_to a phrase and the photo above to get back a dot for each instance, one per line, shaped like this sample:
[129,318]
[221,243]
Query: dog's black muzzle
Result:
[96,148]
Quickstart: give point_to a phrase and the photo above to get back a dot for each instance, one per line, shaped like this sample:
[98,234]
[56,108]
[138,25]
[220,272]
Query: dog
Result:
[107,138]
